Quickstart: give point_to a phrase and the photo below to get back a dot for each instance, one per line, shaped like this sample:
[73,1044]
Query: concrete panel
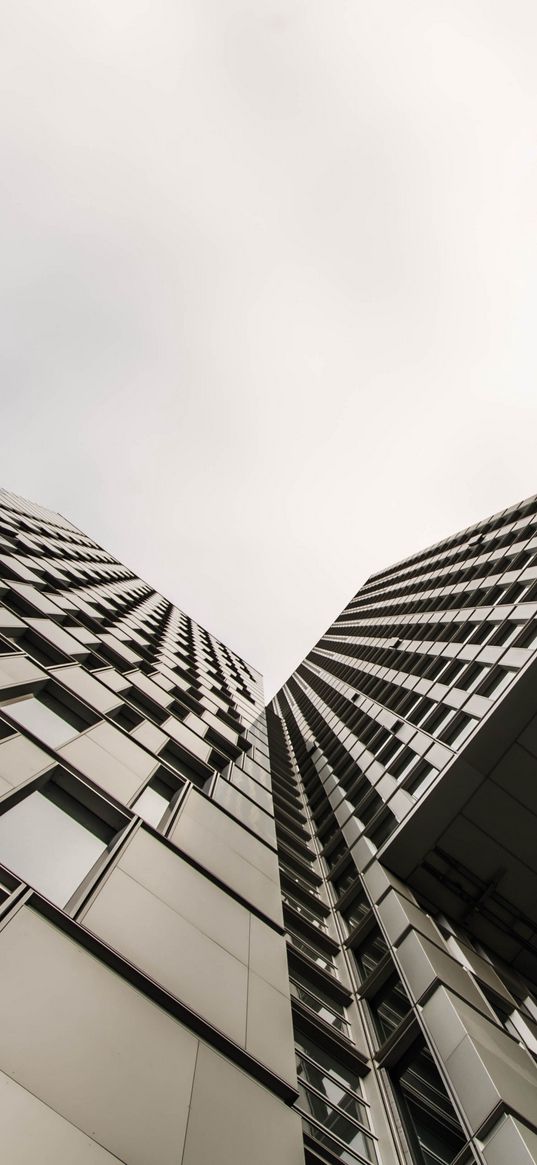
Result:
[92,1047]
[5,787]
[59,638]
[97,695]
[120,746]
[150,736]
[190,740]
[188,892]
[378,881]
[210,816]
[268,955]
[102,768]
[485,1065]
[17,669]
[483,1079]
[31,1132]
[251,788]
[245,810]
[246,1124]
[20,760]
[505,818]
[517,774]
[482,969]
[363,853]
[397,914]
[422,963]
[269,1032]
[443,1022]
[229,866]
[172,952]
[511,1141]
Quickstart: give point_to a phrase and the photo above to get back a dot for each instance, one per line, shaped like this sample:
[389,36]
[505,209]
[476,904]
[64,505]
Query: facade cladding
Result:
[268,937]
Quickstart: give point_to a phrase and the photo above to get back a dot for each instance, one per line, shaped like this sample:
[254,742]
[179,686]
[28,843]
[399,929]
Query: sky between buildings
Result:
[268,288]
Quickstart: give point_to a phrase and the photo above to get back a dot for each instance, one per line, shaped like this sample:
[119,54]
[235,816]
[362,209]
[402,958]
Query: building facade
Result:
[145,1009]
[305,934]
[404,756]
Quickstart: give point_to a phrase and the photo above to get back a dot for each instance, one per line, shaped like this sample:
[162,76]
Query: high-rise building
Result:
[144,1000]
[404,758]
[305,934]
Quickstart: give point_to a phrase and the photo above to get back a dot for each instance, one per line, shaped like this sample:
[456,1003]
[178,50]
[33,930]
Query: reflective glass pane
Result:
[309,1073]
[337,1071]
[335,1121]
[47,725]
[151,806]
[345,1154]
[46,847]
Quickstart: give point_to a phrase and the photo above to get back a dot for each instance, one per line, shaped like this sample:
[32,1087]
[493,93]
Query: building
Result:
[404,752]
[305,934]
[144,1002]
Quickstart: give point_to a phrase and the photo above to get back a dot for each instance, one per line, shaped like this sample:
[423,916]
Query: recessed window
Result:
[420,778]
[431,1126]
[496,682]
[457,730]
[44,716]
[356,911]
[157,797]
[389,1007]
[528,635]
[51,840]
[370,953]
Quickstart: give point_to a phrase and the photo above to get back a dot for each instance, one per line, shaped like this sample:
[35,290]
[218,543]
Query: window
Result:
[389,1007]
[51,840]
[420,778]
[315,997]
[438,719]
[433,1132]
[496,681]
[356,911]
[344,881]
[457,730]
[317,956]
[528,635]
[330,1103]
[159,795]
[370,953]
[46,717]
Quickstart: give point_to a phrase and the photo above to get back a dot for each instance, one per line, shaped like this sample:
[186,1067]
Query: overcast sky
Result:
[268,288]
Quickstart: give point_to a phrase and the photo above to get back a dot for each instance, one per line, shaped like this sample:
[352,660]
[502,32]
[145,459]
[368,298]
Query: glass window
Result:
[370,953]
[317,956]
[389,1007]
[51,840]
[330,1095]
[335,1125]
[458,730]
[356,911]
[438,1143]
[46,718]
[420,778]
[430,1122]
[151,805]
[331,1066]
[496,682]
[330,1010]
[156,798]
[312,1076]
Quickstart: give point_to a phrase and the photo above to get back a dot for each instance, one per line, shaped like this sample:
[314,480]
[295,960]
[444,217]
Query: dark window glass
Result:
[432,1128]
[370,953]
[389,1007]
[51,840]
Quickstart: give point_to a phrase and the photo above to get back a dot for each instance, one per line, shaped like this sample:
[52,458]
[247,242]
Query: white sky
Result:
[268,288]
